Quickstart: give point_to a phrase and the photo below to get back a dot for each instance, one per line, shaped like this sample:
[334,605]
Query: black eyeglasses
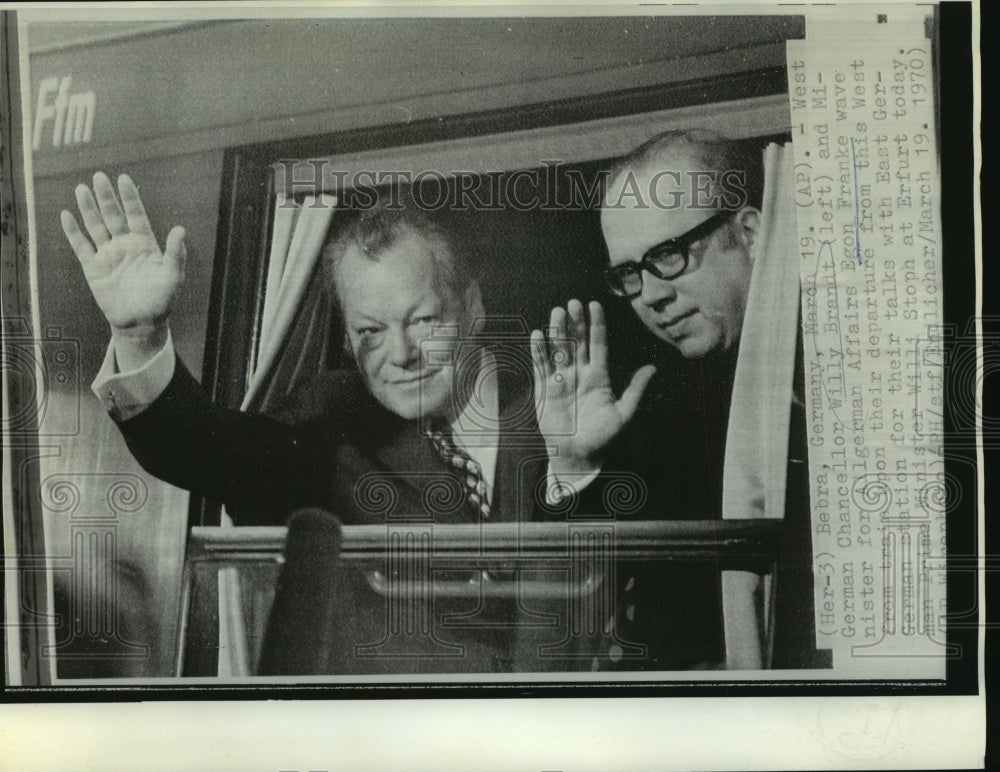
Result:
[666,260]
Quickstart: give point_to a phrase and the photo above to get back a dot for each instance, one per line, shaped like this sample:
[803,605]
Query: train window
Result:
[518,174]
[528,257]
[257,316]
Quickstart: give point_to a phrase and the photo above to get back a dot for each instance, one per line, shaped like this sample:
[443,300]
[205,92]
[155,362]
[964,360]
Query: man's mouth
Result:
[675,320]
[415,378]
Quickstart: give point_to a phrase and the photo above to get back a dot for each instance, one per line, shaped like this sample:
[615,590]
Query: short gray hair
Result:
[373,229]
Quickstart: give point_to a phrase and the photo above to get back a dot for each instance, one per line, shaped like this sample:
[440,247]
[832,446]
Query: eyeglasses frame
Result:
[676,245]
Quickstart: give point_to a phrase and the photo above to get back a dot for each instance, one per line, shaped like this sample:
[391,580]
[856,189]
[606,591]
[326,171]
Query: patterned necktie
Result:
[472,473]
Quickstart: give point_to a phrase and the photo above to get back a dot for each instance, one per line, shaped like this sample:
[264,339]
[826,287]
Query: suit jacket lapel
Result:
[413,464]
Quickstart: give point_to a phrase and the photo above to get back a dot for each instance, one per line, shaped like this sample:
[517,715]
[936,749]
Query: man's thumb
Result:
[175,250]
[629,401]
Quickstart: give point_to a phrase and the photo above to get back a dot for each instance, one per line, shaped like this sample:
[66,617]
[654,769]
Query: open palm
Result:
[132,280]
[577,409]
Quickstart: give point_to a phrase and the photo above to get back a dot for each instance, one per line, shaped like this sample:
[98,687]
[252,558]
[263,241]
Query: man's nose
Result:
[656,291]
[403,352]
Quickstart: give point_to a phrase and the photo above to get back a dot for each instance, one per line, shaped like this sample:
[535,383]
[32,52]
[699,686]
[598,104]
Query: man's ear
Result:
[473,301]
[747,220]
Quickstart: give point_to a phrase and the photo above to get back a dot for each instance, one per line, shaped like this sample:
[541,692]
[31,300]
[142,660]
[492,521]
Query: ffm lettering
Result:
[71,115]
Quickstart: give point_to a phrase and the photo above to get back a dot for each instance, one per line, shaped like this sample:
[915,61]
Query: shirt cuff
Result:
[559,488]
[125,395]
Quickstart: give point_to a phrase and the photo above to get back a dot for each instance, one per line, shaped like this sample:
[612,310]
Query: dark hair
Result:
[373,229]
[710,150]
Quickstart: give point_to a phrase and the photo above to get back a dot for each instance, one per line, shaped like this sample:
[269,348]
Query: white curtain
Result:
[757,439]
[297,239]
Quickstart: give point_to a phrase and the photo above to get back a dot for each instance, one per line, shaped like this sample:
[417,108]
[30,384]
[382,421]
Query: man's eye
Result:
[428,319]
[364,332]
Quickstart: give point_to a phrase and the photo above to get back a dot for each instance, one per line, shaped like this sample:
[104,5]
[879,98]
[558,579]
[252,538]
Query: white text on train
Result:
[72,115]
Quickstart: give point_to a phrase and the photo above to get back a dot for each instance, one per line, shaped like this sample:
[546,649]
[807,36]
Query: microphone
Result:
[298,637]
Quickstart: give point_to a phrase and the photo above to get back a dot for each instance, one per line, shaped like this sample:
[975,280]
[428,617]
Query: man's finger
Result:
[558,346]
[107,201]
[577,330]
[598,336]
[81,245]
[91,215]
[135,212]
[539,356]
[629,401]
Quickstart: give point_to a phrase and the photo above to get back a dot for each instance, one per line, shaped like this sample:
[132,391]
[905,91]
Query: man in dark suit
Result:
[680,218]
[428,427]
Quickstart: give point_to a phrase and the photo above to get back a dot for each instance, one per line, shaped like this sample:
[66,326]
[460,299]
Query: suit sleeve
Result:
[259,467]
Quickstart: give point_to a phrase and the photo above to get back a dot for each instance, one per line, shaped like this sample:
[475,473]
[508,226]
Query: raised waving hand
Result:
[133,281]
[577,408]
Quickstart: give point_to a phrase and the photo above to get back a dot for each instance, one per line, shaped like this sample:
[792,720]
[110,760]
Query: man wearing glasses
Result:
[679,223]
[677,252]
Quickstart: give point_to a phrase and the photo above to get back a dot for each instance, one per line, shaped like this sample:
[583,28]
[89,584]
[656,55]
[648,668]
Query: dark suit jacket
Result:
[677,440]
[335,447]
[338,449]
[672,614]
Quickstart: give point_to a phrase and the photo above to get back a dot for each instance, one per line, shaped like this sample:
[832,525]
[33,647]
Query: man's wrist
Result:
[569,476]
[127,392]
[135,345]
[570,466]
